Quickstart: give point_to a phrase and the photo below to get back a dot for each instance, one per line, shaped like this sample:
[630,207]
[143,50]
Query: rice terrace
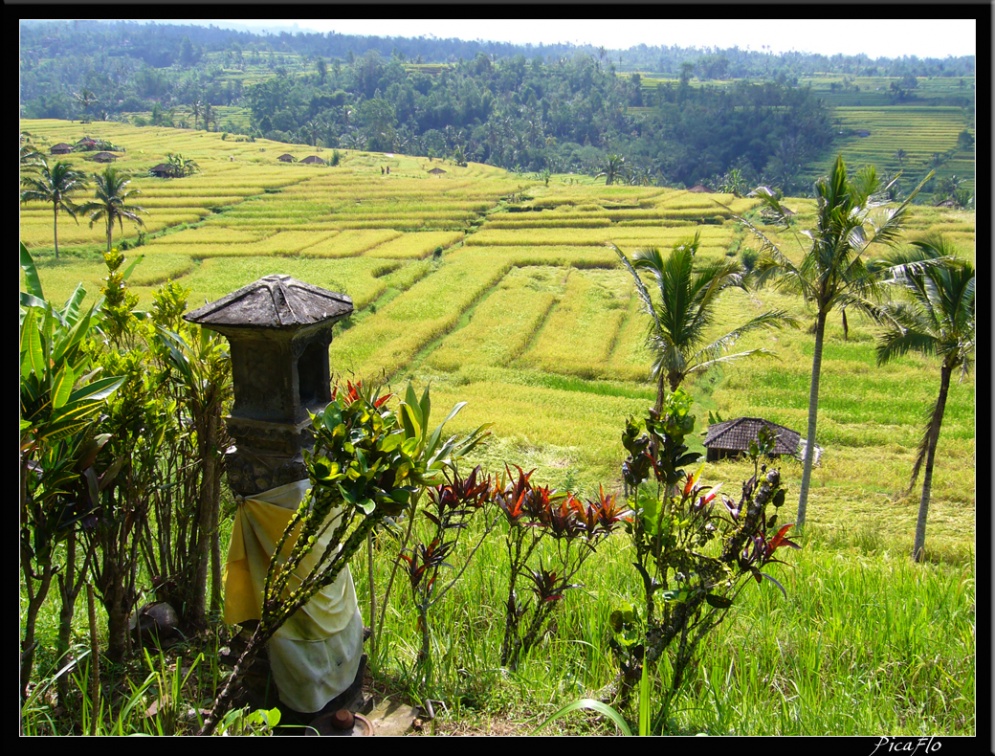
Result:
[514,292]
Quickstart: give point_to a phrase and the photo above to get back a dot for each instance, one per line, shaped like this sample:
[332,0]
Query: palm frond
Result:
[644,294]
[703,365]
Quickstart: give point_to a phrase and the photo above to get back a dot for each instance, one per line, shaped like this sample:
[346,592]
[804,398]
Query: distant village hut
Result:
[164,170]
[286,157]
[105,157]
[698,189]
[61,149]
[313,160]
[732,438]
[436,171]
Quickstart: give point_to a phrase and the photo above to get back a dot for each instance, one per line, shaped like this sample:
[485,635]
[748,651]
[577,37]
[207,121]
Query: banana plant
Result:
[61,398]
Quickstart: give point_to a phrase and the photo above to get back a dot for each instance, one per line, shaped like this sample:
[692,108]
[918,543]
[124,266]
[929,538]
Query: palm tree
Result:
[111,203]
[54,184]
[87,99]
[613,169]
[31,158]
[684,311]
[832,271]
[937,317]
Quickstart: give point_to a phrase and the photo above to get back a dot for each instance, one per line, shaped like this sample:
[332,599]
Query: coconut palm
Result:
[87,99]
[111,203]
[613,169]
[832,271]
[936,317]
[684,310]
[54,184]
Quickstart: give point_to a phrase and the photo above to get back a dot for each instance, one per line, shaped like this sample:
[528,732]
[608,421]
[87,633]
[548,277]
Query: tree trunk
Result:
[207,506]
[217,598]
[55,230]
[66,590]
[35,602]
[661,391]
[918,549]
[71,581]
[118,613]
[813,412]
[110,233]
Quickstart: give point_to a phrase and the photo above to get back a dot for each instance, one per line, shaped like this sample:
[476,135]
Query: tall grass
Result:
[852,650]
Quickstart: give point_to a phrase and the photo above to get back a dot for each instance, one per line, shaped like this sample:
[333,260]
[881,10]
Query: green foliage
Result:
[687,297]
[61,400]
[112,202]
[368,462]
[694,550]
[55,184]
[850,217]
[936,316]
[245,722]
[181,166]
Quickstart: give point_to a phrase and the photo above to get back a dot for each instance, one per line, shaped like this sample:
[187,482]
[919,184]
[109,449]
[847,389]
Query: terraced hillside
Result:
[874,136]
[501,291]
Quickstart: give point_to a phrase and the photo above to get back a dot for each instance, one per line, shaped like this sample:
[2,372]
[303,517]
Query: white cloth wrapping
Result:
[315,655]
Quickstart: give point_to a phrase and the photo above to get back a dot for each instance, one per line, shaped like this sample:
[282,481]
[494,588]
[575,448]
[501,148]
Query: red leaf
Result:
[781,540]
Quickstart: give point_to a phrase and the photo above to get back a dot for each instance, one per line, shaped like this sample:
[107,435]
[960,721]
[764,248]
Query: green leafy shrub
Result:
[695,550]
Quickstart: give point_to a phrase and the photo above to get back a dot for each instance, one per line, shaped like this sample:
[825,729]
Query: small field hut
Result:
[105,157]
[286,157]
[313,160]
[732,438]
[164,170]
[61,149]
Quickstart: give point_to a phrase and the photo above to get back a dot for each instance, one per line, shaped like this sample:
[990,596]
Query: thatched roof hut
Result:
[61,149]
[313,160]
[164,170]
[698,188]
[105,157]
[732,438]
[286,157]
[436,171]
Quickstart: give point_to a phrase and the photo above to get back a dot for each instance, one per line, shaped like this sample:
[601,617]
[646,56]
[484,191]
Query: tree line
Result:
[548,108]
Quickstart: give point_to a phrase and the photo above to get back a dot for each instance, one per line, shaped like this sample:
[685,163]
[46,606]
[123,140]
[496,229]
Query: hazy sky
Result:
[890,38]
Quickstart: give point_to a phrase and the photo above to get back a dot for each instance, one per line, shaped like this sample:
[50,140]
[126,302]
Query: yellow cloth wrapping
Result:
[315,655]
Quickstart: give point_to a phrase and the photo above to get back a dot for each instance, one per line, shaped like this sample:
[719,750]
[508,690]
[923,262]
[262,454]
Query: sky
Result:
[891,38]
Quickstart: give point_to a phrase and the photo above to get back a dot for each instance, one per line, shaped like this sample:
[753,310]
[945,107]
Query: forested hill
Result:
[705,117]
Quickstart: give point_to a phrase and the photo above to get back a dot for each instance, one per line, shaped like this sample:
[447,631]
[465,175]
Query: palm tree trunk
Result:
[813,412]
[918,549]
[55,230]
[661,390]
[110,233]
